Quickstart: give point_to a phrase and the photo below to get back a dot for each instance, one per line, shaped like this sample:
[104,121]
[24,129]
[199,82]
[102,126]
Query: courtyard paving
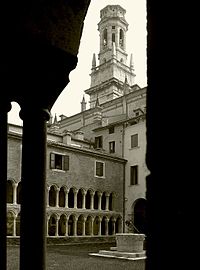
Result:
[75,257]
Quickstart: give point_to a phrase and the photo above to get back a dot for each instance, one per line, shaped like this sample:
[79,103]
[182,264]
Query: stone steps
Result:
[120,255]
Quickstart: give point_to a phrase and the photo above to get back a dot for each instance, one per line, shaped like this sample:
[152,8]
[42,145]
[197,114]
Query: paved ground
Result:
[76,258]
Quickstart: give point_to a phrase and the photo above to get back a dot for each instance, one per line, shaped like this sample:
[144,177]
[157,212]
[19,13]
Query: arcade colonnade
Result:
[69,212]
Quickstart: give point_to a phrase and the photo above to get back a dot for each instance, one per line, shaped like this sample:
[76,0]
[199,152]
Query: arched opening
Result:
[71,198]
[96,200]
[80,225]
[52,226]
[103,201]
[111,202]
[103,226]
[62,225]
[80,199]
[118,225]
[121,38]
[52,196]
[62,197]
[9,192]
[71,222]
[111,226]
[139,215]
[96,225]
[88,226]
[19,188]
[105,37]
[10,223]
[87,199]
[113,37]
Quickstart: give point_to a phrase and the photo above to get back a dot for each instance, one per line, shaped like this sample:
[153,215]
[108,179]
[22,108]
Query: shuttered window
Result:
[59,162]
[134,140]
[99,169]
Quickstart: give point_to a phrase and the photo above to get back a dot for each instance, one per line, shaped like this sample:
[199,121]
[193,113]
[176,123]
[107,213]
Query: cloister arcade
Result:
[70,211]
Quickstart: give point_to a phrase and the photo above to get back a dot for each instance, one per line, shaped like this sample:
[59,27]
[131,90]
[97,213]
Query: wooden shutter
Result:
[134,140]
[66,163]
[52,161]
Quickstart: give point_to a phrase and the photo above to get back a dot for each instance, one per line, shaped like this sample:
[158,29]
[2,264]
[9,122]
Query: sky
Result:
[68,103]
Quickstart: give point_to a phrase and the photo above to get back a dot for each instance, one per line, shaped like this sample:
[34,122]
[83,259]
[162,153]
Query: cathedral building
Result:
[96,168]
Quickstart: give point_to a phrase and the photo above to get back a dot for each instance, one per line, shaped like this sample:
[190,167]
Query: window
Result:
[99,169]
[98,142]
[134,140]
[111,130]
[112,147]
[121,38]
[105,37]
[134,175]
[59,162]
[113,27]
[113,37]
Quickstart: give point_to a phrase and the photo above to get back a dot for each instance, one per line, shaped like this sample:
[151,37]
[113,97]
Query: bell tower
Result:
[108,77]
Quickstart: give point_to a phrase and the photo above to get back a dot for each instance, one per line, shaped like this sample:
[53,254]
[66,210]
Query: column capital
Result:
[29,112]
[99,193]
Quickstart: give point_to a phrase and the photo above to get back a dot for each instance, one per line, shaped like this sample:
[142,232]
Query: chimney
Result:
[67,136]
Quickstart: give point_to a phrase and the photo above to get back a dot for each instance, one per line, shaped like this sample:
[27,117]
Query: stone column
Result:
[66,198]
[33,223]
[14,185]
[4,109]
[107,201]
[92,200]
[106,226]
[75,226]
[66,229]
[47,230]
[48,188]
[91,228]
[57,220]
[57,197]
[99,232]
[99,200]
[83,202]
[83,227]
[75,198]
[113,226]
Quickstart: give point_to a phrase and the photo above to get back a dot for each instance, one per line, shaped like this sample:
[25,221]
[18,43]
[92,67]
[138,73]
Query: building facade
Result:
[84,192]
[96,168]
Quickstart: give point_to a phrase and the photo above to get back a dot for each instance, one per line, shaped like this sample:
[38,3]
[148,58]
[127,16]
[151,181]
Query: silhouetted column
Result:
[14,185]
[66,198]
[14,225]
[99,232]
[91,200]
[33,205]
[99,200]
[107,201]
[57,197]
[75,198]
[4,109]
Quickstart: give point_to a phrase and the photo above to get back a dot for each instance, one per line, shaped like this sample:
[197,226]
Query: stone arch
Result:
[103,201]
[62,195]
[139,215]
[96,225]
[52,195]
[96,200]
[118,225]
[19,189]
[103,225]
[80,198]
[52,225]
[111,226]
[71,222]
[88,225]
[111,201]
[62,225]
[88,198]
[71,197]
[9,190]
[80,222]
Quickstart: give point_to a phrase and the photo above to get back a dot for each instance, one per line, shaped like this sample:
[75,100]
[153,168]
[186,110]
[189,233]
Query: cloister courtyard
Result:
[76,257]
